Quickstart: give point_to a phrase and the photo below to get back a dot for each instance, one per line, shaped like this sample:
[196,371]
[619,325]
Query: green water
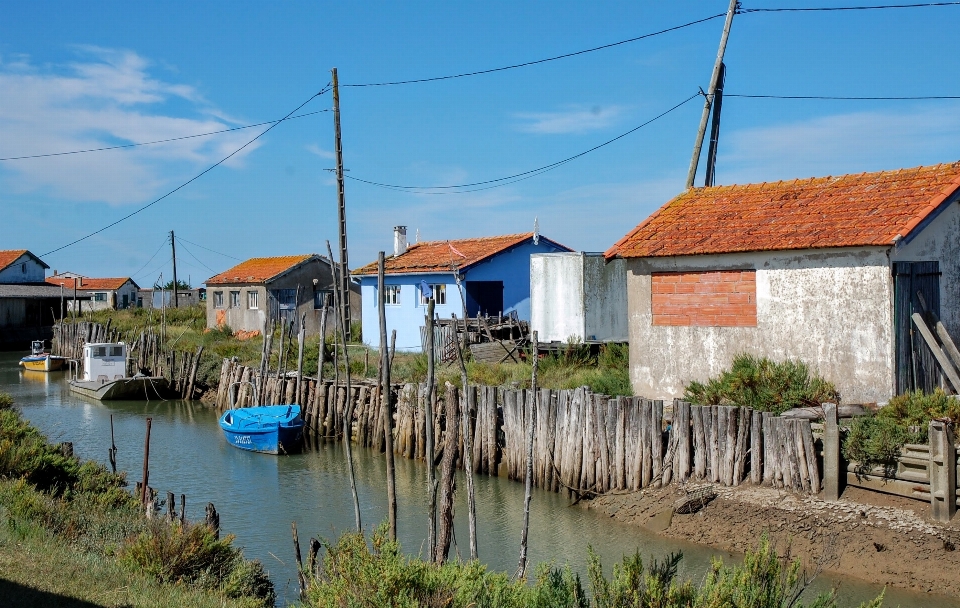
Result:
[258,496]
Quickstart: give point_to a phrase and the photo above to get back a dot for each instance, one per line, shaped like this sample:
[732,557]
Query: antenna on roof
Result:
[418,236]
[536,230]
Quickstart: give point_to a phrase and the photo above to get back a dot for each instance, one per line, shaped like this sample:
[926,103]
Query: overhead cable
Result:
[812,9]
[159,141]
[510,179]
[165,241]
[843,98]
[226,255]
[537,61]
[187,249]
[189,181]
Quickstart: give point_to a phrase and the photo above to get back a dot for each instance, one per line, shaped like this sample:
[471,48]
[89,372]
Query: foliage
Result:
[878,439]
[168,286]
[765,385]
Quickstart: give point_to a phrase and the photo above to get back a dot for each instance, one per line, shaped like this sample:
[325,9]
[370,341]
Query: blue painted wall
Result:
[512,267]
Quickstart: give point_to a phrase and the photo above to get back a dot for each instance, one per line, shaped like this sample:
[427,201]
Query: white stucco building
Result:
[825,270]
[114,293]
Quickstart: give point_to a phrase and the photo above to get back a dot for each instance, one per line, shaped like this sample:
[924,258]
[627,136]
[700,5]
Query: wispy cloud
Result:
[842,143]
[107,97]
[317,150]
[574,119]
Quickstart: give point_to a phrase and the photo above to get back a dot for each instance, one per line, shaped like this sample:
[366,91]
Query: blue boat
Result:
[270,429]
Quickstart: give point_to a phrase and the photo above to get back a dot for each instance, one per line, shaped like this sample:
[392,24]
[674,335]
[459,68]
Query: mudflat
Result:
[867,535]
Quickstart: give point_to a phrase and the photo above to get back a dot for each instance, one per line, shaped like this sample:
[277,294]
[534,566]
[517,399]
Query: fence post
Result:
[831,452]
[943,471]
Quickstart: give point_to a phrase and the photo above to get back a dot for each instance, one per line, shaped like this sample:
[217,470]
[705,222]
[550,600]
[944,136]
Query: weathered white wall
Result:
[829,308]
[605,296]
[24,270]
[940,241]
[557,308]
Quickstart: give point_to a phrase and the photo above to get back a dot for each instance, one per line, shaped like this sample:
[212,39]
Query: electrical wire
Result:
[180,238]
[511,179]
[164,265]
[185,248]
[845,8]
[159,141]
[165,241]
[188,182]
[841,98]
[538,61]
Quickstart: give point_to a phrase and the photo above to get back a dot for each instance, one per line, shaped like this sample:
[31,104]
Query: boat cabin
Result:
[104,361]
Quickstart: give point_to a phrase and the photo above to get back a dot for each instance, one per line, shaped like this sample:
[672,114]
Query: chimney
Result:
[399,240]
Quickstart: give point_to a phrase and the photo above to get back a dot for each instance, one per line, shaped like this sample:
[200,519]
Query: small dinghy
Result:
[270,429]
[40,360]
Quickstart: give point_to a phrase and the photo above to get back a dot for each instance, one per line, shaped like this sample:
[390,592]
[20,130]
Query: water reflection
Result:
[259,495]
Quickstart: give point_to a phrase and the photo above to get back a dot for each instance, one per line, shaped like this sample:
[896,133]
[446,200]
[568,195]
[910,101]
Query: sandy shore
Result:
[867,535]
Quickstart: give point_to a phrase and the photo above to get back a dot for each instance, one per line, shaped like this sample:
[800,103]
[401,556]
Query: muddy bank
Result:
[871,536]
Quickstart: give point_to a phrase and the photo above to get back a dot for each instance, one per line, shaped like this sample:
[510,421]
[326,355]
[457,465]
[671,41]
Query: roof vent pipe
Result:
[399,240]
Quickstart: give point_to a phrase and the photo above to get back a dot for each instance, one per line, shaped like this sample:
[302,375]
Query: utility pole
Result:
[341,213]
[711,173]
[708,98]
[173,246]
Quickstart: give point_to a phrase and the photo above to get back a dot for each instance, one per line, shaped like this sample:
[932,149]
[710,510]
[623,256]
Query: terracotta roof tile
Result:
[258,270]
[446,256]
[89,284]
[845,211]
[10,256]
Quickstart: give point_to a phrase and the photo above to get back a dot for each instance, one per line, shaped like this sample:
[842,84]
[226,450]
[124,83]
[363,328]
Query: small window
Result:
[99,296]
[321,299]
[253,300]
[116,351]
[439,293]
[99,351]
[23,268]
[286,298]
[218,299]
[234,299]
[391,295]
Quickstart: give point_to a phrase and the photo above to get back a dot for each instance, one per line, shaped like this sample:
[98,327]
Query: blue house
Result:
[487,275]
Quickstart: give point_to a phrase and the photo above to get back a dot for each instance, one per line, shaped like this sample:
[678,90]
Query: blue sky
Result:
[85,75]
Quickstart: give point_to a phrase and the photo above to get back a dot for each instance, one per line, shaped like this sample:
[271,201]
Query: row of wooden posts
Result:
[70,338]
[583,442]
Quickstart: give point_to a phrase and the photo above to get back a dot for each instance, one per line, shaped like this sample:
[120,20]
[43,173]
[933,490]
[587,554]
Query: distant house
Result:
[105,293]
[28,306]
[18,266]
[826,270]
[158,298]
[487,275]
[260,289]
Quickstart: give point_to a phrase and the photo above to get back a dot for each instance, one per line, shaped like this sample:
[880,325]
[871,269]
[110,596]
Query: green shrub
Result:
[6,401]
[763,384]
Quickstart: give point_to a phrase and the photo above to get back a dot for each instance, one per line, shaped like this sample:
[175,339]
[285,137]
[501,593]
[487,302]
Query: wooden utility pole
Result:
[711,172]
[386,402]
[344,285]
[173,248]
[708,99]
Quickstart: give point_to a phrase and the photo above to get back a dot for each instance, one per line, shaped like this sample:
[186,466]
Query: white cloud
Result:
[575,119]
[315,149]
[106,98]
[841,144]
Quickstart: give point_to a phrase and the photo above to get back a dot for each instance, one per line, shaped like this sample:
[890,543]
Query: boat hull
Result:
[261,429]
[43,363]
[138,388]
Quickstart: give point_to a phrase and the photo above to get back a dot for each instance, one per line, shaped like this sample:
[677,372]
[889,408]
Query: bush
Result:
[762,384]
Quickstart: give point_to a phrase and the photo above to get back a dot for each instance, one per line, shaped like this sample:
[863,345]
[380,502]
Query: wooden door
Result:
[916,366]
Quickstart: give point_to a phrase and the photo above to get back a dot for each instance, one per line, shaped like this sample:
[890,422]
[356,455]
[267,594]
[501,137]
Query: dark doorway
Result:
[484,297]
[916,366]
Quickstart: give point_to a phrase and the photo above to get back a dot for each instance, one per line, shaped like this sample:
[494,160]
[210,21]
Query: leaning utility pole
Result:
[344,286]
[708,98]
[173,247]
[711,173]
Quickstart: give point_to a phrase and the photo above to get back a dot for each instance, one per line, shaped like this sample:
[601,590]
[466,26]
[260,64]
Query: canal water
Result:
[258,496]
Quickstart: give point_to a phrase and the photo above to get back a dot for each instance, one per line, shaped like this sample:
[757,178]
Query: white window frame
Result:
[218,299]
[99,296]
[253,299]
[438,291]
[391,295]
[234,299]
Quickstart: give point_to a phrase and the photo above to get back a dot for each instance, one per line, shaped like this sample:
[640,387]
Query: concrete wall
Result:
[605,289]
[830,308]
[407,316]
[24,270]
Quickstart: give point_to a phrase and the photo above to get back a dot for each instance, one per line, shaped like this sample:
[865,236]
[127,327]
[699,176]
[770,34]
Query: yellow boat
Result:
[41,361]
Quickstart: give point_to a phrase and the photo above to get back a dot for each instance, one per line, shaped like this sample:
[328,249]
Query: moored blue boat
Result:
[271,429]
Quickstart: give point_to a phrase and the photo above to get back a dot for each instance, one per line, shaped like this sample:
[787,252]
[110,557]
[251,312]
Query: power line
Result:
[842,98]
[188,182]
[165,241]
[226,255]
[185,248]
[160,267]
[845,8]
[510,179]
[159,141]
[538,61]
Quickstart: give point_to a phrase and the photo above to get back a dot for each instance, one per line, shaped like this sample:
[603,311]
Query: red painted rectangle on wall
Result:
[719,298]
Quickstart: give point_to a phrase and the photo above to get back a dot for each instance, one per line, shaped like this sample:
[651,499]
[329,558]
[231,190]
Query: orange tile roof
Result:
[89,284]
[258,270]
[446,256]
[845,211]
[10,256]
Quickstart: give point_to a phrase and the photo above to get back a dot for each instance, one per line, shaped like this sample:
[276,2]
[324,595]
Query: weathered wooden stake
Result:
[301,336]
[428,408]
[212,519]
[528,492]
[831,452]
[385,401]
[296,548]
[451,440]
[467,450]
[146,464]
[112,452]
[943,471]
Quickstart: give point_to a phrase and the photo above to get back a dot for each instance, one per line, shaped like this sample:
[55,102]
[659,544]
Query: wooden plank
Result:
[938,354]
[699,443]
[756,451]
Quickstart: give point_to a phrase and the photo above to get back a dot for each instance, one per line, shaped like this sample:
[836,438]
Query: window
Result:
[391,295]
[321,299]
[234,299]
[100,351]
[253,299]
[116,351]
[286,298]
[439,294]
[23,268]
[100,296]
[218,299]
